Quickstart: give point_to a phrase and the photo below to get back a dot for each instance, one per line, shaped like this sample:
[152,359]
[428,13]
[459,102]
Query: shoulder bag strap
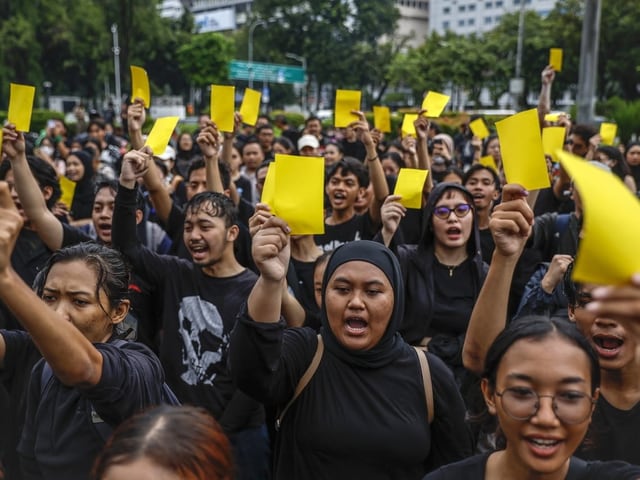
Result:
[426,379]
[304,381]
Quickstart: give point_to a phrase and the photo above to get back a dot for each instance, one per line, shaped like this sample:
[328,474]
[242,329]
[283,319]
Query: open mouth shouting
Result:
[607,345]
[103,230]
[198,251]
[356,326]
[543,446]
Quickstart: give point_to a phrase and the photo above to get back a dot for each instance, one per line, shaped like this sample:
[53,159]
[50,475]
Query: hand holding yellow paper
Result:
[555,59]
[608,250]
[140,85]
[269,187]
[68,189]
[434,104]
[408,128]
[608,132]
[382,119]
[488,161]
[222,107]
[160,134]
[553,140]
[250,107]
[409,186]
[21,106]
[346,101]
[299,193]
[521,149]
[552,117]
[479,128]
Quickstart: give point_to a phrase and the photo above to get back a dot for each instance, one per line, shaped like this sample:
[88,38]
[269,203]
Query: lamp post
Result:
[47,94]
[116,62]
[303,61]
[252,28]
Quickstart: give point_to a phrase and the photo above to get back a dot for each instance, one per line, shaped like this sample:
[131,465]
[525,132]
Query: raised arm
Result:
[544,100]
[208,141]
[45,223]
[271,253]
[376,174]
[135,120]
[510,226]
[421,125]
[72,357]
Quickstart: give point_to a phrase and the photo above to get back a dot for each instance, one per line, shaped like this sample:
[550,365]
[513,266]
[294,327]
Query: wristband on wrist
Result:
[373,159]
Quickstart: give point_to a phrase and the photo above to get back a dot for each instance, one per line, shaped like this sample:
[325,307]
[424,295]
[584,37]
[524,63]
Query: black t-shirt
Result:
[358,227]
[474,469]
[304,290]
[453,299]
[612,434]
[243,185]
[354,149]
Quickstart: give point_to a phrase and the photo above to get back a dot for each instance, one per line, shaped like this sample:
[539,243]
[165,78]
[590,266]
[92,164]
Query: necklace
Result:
[450,267]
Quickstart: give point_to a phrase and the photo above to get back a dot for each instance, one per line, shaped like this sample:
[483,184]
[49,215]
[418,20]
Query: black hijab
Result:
[391,345]
[84,194]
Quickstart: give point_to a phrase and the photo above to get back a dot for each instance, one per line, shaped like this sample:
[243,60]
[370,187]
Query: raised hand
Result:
[13,143]
[136,115]
[271,249]
[391,212]
[361,128]
[261,214]
[209,140]
[135,164]
[511,221]
[10,225]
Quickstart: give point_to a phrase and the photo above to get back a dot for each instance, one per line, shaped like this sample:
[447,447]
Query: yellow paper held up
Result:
[608,250]
[21,106]
[552,117]
[434,104]
[479,128]
[382,119]
[222,107]
[408,128]
[269,187]
[299,193]
[409,186]
[521,148]
[346,101]
[160,134]
[488,161]
[555,59]
[68,188]
[608,133]
[250,107]
[552,140]
[140,85]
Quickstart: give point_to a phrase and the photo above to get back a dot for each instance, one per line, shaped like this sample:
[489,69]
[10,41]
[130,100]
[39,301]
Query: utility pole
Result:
[588,72]
[116,64]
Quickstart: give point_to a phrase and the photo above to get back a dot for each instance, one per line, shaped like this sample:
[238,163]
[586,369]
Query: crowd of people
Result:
[164,323]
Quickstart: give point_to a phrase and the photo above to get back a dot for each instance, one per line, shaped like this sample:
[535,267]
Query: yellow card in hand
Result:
[222,107]
[160,134]
[553,140]
[408,128]
[608,133]
[409,186]
[269,187]
[382,119]
[552,117]
[299,194]
[608,250]
[346,101]
[555,59]
[488,161]
[250,107]
[521,148]
[140,85]
[434,104]
[21,106]
[68,188]
[479,128]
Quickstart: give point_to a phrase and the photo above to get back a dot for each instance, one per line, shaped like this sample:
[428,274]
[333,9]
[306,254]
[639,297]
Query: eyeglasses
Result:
[570,407]
[444,212]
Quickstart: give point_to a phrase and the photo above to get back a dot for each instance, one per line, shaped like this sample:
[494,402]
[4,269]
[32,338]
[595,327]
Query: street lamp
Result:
[47,94]
[303,61]
[116,62]
[252,27]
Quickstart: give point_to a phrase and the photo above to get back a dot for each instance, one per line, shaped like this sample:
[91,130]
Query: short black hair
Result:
[476,167]
[44,174]
[350,165]
[585,132]
[196,164]
[216,205]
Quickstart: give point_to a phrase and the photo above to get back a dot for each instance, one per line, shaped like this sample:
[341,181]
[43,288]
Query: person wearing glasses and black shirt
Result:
[443,273]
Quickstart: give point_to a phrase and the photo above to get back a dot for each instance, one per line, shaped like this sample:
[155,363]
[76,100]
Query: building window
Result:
[462,8]
[461,23]
[487,20]
[471,21]
[445,25]
[488,5]
[499,3]
[472,7]
[498,18]
[446,10]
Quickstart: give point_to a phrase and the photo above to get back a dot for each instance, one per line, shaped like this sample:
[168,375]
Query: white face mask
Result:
[47,150]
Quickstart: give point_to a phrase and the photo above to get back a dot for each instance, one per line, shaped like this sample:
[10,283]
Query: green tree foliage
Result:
[204,59]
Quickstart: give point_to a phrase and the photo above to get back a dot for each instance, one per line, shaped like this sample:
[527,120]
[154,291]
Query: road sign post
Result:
[266,72]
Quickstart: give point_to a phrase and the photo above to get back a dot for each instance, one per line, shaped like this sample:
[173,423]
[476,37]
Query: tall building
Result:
[210,15]
[414,21]
[477,16]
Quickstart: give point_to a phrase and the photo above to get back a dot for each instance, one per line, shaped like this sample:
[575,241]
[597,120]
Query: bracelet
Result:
[373,159]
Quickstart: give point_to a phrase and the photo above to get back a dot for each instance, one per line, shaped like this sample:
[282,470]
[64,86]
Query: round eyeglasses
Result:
[571,407]
[460,211]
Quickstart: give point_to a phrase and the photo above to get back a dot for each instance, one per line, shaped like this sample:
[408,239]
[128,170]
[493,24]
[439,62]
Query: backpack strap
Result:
[426,379]
[304,381]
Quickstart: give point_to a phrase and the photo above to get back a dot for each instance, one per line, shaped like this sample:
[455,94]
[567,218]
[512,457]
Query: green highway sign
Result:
[266,72]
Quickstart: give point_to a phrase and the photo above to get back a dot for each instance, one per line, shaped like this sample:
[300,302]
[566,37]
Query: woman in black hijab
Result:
[80,170]
[363,413]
